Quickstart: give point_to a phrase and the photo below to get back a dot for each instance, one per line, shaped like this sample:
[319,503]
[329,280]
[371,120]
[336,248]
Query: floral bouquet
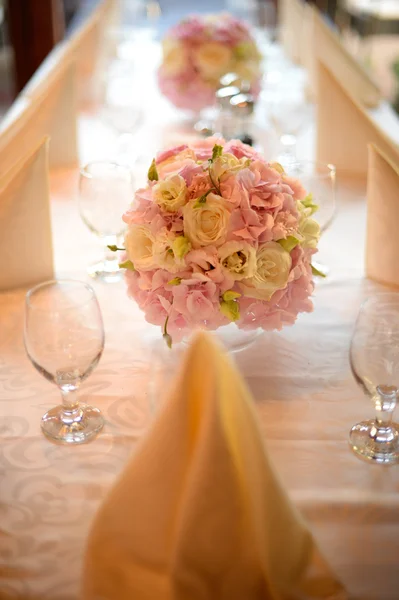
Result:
[218,236]
[198,51]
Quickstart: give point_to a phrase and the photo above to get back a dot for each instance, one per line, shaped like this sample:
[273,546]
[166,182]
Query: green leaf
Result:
[152,172]
[114,248]
[289,243]
[216,152]
[127,265]
[317,273]
[175,281]
[231,310]
[230,295]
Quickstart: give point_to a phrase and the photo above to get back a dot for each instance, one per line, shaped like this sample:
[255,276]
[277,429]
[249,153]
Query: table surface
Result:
[301,382]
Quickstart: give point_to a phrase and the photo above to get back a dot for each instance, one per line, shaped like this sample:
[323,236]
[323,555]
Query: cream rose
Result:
[213,59]
[164,255]
[225,164]
[238,258]
[309,229]
[170,194]
[273,266]
[174,57]
[206,224]
[139,244]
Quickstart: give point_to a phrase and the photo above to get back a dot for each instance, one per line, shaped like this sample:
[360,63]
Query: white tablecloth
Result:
[303,389]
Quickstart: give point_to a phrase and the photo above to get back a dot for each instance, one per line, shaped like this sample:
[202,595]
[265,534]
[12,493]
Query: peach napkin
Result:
[199,512]
[88,46]
[382,241]
[25,226]
[291,15]
[344,129]
[49,109]
[328,49]
[307,58]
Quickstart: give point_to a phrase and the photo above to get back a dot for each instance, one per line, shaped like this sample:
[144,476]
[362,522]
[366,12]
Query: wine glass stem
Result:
[384,407]
[71,411]
[288,145]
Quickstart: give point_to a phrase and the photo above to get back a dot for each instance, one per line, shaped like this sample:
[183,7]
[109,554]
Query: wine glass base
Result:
[84,427]
[105,271]
[366,442]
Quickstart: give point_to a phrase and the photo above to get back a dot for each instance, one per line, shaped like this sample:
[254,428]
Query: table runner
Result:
[304,393]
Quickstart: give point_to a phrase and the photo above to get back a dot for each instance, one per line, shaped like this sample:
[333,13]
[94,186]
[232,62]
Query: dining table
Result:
[304,393]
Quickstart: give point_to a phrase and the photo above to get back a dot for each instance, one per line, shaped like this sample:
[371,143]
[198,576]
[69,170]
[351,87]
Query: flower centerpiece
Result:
[219,236]
[198,51]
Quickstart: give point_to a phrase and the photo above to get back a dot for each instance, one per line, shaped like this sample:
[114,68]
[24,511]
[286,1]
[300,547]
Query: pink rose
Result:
[203,147]
[189,171]
[191,29]
[231,190]
[162,156]
[241,150]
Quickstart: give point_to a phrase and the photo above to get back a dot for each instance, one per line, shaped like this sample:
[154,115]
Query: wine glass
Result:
[289,114]
[374,358]
[121,109]
[105,192]
[64,339]
[318,179]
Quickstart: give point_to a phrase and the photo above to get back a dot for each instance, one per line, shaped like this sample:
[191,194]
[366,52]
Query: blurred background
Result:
[29,29]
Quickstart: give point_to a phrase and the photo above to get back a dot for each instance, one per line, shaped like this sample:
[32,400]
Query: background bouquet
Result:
[198,51]
[218,236]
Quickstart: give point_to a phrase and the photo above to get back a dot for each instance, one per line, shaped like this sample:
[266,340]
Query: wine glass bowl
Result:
[289,114]
[318,179]
[374,359]
[105,191]
[64,339]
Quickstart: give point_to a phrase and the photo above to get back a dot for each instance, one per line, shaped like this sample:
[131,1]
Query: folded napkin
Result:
[199,513]
[344,129]
[328,48]
[25,226]
[49,109]
[307,58]
[88,46]
[382,241]
[291,15]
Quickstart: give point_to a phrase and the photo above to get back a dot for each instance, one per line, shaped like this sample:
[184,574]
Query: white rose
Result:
[309,229]
[225,164]
[139,244]
[206,224]
[238,258]
[273,266]
[174,57]
[213,59]
[164,255]
[170,194]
